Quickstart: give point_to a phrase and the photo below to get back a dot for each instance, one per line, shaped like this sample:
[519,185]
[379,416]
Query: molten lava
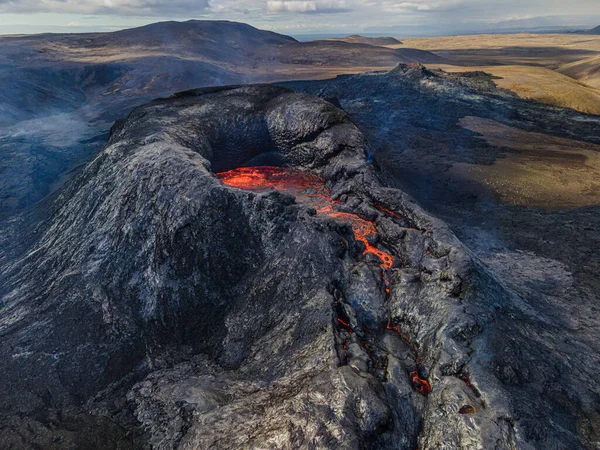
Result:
[310,190]
[420,384]
[268,178]
[387,211]
[345,325]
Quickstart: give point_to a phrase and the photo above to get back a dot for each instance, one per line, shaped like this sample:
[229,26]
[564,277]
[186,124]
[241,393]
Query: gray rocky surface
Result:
[147,305]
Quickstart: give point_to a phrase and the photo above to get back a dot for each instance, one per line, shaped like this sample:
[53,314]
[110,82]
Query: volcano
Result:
[231,272]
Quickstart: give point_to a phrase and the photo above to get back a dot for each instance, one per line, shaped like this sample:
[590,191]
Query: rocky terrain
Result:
[421,126]
[150,304]
[62,92]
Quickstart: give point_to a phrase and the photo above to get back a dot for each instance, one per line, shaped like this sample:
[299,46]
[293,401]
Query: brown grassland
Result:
[558,69]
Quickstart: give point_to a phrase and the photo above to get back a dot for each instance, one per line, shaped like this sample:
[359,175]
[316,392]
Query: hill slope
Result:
[540,84]
[62,92]
[218,317]
[587,71]
[528,64]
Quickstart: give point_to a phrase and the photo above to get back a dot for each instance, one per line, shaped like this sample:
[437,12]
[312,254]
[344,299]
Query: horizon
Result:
[417,18]
[414,31]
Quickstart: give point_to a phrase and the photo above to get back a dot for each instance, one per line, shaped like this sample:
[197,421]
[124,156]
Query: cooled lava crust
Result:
[161,302]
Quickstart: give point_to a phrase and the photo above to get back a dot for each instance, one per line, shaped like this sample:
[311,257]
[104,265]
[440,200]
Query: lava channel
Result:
[309,190]
[419,383]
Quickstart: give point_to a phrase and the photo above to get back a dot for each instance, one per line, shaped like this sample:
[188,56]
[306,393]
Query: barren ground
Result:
[545,171]
[557,69]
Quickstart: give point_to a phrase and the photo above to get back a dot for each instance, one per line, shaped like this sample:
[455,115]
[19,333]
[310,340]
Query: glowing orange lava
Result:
[309,190]
[387,211]
[268,178]
[346,325]
[420,384]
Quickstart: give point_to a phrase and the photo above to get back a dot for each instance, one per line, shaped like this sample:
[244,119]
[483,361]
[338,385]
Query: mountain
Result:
[62,92]
[595,30]
[156,58]
[172,299]
[376,41]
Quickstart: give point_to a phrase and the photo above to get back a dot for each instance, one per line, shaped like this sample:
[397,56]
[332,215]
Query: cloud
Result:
[421,5]
[404,6]
[307,7]
[106,7]
[352,16]
[174,7]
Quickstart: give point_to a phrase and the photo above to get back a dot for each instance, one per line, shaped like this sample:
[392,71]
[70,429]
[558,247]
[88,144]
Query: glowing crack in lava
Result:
[310,190]
[420,384]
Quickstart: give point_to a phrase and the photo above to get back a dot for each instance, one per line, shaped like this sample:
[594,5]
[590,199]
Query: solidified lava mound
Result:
[229,273]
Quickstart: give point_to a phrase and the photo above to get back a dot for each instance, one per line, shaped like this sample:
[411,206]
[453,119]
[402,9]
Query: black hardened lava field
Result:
[231,271]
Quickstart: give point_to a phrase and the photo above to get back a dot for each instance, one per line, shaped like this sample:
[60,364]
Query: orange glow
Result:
[310,190]
[469,385]
[397,330]
[387,211]
[346,324]
[420,384]
[269,178]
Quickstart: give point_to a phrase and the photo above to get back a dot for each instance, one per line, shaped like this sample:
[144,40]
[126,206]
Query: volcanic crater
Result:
[230,272]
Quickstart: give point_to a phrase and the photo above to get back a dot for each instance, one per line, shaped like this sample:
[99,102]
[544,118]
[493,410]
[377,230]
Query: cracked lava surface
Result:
[310,190]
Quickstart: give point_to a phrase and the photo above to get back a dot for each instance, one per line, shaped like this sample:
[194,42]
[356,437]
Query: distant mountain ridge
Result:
[51,73]
[595,30]
[376,41]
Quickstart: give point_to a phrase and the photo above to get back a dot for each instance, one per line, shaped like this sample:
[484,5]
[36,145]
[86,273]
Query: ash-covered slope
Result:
[153,306]
[62,92]
[63,71]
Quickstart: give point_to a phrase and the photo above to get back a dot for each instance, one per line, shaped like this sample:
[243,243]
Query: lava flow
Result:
[420,384]
[310,190]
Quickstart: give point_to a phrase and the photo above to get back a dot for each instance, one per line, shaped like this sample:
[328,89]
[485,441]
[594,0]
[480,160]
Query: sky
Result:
[299,17]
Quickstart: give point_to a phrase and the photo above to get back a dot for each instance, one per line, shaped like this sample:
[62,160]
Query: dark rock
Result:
[211,317]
